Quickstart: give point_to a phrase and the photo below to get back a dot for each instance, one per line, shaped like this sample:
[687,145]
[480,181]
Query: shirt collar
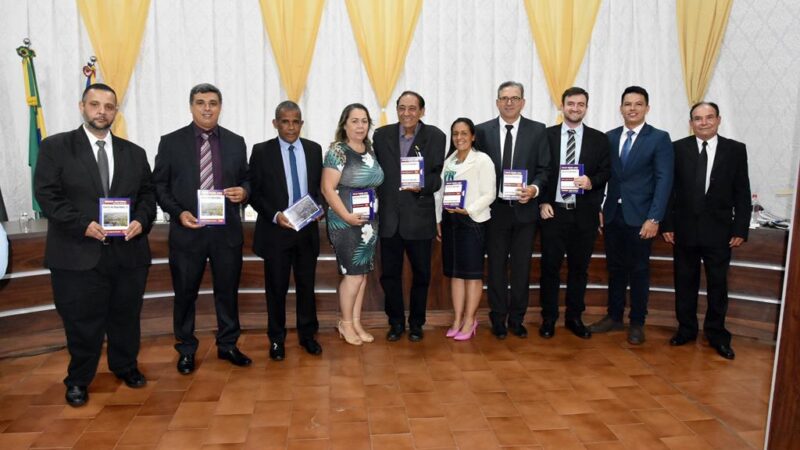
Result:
[712,143]
[515,123]
[285,145]
[636,130]
[93,139]
[403,131]
[198,131]
[578,129]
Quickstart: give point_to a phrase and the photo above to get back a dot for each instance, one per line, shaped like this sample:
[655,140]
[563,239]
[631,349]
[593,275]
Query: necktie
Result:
[626,148]
[102,165]
[700,180]
[570,159]
[206,165]
[295,177]
[508,148]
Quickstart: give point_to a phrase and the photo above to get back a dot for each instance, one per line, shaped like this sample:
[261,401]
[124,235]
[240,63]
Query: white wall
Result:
[461,50]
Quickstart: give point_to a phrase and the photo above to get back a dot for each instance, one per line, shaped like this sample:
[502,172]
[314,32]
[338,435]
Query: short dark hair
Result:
[415,94]
[98,87]
[635,90]
[515,84]
[286,106]
[341,135]
[574,90]
[698,104]
[202,88]
[469,125]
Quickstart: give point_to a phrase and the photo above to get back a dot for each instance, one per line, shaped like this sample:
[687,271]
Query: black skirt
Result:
[462,246]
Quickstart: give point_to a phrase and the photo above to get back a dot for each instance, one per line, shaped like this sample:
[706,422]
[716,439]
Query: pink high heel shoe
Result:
[468,335]
[452,332]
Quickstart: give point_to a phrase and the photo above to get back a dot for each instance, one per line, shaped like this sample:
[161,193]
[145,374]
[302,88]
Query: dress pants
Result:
[572,232]
[419,256]
[187,267]
[628,260]
[716,261]
[508,241]
[300,257]
[93,304]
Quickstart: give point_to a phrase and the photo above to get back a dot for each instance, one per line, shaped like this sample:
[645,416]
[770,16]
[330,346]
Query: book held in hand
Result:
[412,172]
[513,180]
[570,172]
[115,215]
[302,212]
[363,201]
[210,207]
[455,192]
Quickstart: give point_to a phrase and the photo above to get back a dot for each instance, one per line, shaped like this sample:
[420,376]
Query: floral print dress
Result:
[354,245]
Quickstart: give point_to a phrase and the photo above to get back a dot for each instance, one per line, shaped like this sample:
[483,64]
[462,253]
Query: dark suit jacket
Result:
[409,212]
[646,182]
[177,177]
[67,186]
[727,202]
[531,152]
[270,195]
[596,165]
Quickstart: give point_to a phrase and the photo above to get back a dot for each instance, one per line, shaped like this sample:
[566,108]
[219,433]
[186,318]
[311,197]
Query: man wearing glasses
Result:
[515,144]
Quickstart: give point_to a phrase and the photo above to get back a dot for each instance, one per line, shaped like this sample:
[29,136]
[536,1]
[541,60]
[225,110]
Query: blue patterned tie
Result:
[295,177]
[626,148]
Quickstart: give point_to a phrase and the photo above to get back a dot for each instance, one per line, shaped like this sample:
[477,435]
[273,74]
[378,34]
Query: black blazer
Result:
[413,214]
[177,178]
[531,152]
[67,187]
[596,165]
[270,195]
[727,202]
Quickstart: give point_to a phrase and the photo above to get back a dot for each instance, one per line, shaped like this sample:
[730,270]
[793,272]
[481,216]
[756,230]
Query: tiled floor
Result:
[563,393]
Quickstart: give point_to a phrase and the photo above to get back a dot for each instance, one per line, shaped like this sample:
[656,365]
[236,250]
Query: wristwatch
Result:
[654,221]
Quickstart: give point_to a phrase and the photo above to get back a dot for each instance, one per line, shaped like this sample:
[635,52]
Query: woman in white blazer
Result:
[462,230]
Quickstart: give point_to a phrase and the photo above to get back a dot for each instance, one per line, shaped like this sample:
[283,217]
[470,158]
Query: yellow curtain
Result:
[292,26]
[561,30]
[701,26]
[383,30]
[115,28]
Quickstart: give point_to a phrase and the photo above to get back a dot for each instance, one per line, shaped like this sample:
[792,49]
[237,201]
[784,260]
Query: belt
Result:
[567,206]
[505,202]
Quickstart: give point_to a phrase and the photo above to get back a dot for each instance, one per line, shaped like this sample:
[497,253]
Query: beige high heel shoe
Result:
[362,333]
[351,339]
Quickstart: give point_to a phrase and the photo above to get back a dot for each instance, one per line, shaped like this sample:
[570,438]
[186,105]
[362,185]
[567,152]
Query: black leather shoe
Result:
[499,330]
[636,334]
[233,355]
[76,396]
[679,339]
[547,329]
[276,351]
[312,346]
[518,330]
[186,363]
[395,333]
[578,328]
[415,334]
[133,378]
[725,351]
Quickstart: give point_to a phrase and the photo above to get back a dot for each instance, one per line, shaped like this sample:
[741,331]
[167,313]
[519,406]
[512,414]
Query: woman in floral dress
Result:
[349,165]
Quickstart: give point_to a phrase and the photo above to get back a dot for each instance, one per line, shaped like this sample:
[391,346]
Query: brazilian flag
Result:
[37,131]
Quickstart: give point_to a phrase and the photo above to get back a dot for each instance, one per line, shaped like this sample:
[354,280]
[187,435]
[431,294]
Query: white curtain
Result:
[461,51]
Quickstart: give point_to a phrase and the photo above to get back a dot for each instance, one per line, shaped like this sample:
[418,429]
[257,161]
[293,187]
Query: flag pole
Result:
[37,130]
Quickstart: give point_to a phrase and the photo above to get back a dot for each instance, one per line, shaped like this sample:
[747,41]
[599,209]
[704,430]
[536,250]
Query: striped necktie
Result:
[206,165]
[570,159]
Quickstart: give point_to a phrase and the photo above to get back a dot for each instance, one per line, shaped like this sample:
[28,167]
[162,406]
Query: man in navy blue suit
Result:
[638,192]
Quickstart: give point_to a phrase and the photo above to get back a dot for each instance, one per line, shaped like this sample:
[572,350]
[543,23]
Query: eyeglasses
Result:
[513,99]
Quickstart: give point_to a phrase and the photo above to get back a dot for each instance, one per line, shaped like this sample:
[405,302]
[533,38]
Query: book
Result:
[513,180]
[412,172]
[210,207]
[302,212]
[115,215]
[569,172]
[455,191]
[363,201]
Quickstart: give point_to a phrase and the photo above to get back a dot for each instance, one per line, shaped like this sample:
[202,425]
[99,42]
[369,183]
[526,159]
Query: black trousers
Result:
[686,262]
[419,256]
[628,259]
[571,232]
[187,267]
[278,264]
[102,302]
[508,241]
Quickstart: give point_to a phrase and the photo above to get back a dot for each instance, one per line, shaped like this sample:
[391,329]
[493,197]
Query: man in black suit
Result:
[709,215]
[203,156]
[513,142]
[98,280]
[283,170]
[407,215]
[636,202]
[570,220]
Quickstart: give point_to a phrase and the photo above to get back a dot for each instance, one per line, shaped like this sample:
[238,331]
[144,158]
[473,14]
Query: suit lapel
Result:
[85,154]
[520,157]
[720,159]
[493,141]
[280,175]
[190,146]
[120,162]
[394,143]
[614,137]
[420,140]
[635,153]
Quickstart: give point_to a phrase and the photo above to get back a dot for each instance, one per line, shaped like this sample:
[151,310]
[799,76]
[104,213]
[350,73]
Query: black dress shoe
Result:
[276,351]
[518,330]
[679,339]
[395,333]
[725,351]
[547,329]
[133,378]
[76,396]
[415,334]
[578,328]
[233,355]
[499,331]
[186,363]
[312,346]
